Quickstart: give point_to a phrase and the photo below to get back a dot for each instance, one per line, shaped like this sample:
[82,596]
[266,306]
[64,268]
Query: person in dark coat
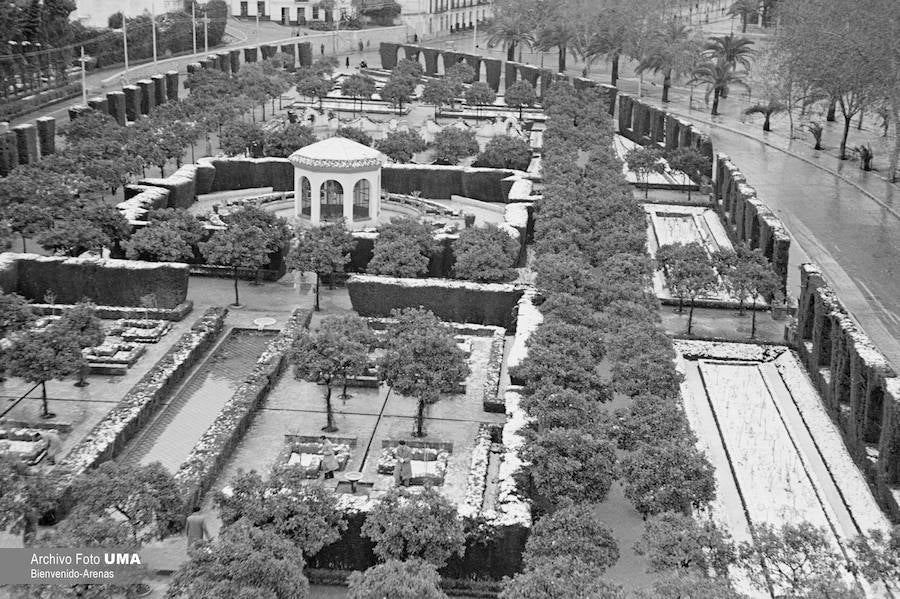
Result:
[329,459]
[195,528]
[403,468]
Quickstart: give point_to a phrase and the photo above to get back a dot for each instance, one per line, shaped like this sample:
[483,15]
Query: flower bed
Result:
[113,358]
[122,423]
[140,330]
[210,453]
[491,401]
[428,461]
[306,452]
[25,444]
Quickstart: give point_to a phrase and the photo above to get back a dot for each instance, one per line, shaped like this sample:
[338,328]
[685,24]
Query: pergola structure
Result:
[337,178]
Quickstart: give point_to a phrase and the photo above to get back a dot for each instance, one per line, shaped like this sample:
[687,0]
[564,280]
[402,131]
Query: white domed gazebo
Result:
[337,178]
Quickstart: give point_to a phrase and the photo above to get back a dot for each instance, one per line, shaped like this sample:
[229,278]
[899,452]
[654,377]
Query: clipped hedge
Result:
[211,452]
[16,108]
[455,301]
[105,282]
[440,182]
[181,186]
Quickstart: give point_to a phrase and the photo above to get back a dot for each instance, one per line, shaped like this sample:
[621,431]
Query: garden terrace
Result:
[669,179]
[778,457]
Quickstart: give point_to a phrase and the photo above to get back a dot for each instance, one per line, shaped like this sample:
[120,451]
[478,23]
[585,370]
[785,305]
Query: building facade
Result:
[430,18]
[290,12]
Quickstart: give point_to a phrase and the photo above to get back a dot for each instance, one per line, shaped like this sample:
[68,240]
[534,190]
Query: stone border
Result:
[109,436]
[491,400]
[211,452]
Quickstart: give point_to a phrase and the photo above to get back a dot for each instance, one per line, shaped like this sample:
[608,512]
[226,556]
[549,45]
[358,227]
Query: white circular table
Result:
[262,323]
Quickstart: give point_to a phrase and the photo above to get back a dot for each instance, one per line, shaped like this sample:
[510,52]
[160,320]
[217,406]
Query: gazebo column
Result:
[298,194]
[315,183]
[349,189]
[374,194]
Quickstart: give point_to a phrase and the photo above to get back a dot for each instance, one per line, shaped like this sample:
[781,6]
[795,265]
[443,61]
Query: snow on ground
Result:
[778,457]
[669,178]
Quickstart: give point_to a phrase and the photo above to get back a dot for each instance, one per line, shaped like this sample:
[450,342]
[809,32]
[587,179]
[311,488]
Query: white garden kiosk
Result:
[337,178]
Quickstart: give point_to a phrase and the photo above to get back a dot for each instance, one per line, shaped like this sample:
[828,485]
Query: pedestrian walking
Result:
[53,445]
[195,527]
[329,460]
[347,62]
[403,467]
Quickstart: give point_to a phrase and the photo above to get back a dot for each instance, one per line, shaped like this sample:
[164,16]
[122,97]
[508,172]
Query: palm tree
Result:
[511,31]
[556,33]
[735,51]
[744,9]
[767,109]
[718,76]
[670,53]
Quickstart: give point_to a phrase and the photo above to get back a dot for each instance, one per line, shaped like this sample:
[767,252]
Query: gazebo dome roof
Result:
[337,153]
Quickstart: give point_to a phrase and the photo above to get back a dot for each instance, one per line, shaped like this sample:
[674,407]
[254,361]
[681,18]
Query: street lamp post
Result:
[83,60]
[153,27]
[194,24]
[125,44]
[205,33]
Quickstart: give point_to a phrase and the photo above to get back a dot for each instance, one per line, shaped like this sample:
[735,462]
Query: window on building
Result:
[301,15]
[315,13]
[331,198]
[245,10]
[261,8]
[361,199]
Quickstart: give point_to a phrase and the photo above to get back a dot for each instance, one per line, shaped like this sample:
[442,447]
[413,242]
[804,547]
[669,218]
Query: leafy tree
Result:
[24,499]
[747,273]
[505,151]
[73,237]
[411,579]
[323,250]
[422,359]
[569,464]
[240,138]
[159,242]
[15,314]
[519,94]
[562,578]
[398,89]
[243,562]
[878,554]
[405,525]
[480,94]
[335,351]
[797,557]
[402,249]
[461,72]
[485,254]
[356,134]
[676,541]
[285,506]
[671,52]
[284,141]
[237,249]
[452,144]
[80,323]
[315,86]
[647,419]
[146,498]
[275,228]
[408,68]
[555,407]
[718,77]
[358,86]
[438,92]
[668,475]
[574,530]
[679,584]
[39,357]
[690,162]
[644,162]
[553,358]
[400,146]
[108,219]
[28,220]
[689,273]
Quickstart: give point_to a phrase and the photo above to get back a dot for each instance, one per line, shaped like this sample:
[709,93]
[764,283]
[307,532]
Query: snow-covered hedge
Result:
[109,436]
[211,452]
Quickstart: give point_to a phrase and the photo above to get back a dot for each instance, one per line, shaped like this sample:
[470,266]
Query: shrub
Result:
[402,249]
[575,531]
[356,134]
[412,579]
[649,419]
[284,141]
[675,541]
[485,254]
[560,579]
[505,151]
[670,475]
[452,145]
[400,146]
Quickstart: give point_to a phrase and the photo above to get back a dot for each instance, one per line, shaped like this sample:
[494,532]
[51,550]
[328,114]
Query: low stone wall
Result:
[454,301]
[209,455]
[105,282]
[110,436]
[645,124]
[748,219]
[860,390]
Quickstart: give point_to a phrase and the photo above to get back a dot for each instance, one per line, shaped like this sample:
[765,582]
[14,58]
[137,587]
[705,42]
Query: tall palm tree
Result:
[670,53]
[511,30]
[744,9]
[556,33]
[718,77]
[735,51]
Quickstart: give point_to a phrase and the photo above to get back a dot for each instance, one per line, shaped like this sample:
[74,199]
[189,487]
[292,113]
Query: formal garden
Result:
[476,339]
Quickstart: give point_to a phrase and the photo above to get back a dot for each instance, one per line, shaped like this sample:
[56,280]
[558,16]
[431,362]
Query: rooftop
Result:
[337,153]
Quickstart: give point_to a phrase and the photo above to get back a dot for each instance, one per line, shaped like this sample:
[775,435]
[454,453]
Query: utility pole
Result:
[83,59]
[194,24]
[257,25]
[153,27]
[206,33]
[125,43]
[475,34]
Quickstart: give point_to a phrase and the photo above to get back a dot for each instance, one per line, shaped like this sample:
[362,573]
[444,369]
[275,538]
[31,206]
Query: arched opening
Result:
[874,416]
[305,198]
[361,192]
[331,201]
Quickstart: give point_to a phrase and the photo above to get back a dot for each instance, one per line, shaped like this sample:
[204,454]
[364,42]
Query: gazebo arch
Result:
[305,197]
[331,200]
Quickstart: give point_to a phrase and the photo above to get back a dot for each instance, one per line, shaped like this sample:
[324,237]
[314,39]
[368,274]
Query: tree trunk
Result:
[263,106]
[830,115]
[715,106]
[23,243]
[690,316]
[859,123]
[420,418]
[767,125]
[753,318]
[237,299]
[511,52]
[843,150]
[614,72]
[667,83]
[344,394]
[317,292]
[45,413]
[744,23]
[562,58]
[329,412]
[895,153]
